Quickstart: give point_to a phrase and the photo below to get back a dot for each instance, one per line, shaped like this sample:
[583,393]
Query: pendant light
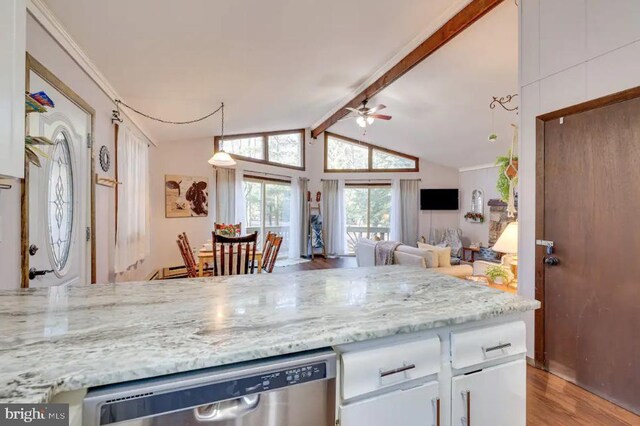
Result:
[221,158]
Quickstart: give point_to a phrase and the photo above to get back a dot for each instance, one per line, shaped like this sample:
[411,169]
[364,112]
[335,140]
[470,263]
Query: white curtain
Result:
[132,237]
[304,217]
[334,215]
[294,220]
[240,206]
[409,205]
[395,232]
[225,195]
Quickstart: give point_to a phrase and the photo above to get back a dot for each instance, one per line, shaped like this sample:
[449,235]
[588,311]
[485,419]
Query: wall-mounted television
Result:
[439,199]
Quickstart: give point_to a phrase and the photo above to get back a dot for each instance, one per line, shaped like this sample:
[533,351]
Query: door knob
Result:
[33,272]
[551,260]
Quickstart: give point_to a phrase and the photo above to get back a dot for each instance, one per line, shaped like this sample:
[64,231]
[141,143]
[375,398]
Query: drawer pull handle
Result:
[498,347]
[466,396]
[436,411]
[402,369]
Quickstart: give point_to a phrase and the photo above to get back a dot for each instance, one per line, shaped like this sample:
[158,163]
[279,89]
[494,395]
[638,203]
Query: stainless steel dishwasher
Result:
[294,390]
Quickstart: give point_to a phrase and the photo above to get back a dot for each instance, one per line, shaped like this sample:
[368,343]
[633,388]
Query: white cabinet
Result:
[13,22]
[494,396]
[418,406]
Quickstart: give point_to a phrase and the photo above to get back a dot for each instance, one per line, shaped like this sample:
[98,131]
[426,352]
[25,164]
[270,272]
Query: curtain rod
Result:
[368,180]
[266,174]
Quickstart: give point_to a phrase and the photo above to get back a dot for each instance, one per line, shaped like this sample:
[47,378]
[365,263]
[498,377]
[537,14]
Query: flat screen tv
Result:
[439,199]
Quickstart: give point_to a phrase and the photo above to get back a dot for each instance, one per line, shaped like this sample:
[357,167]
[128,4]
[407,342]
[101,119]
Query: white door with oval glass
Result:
[59,192]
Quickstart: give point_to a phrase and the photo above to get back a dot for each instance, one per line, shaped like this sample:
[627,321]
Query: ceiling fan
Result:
[366,116]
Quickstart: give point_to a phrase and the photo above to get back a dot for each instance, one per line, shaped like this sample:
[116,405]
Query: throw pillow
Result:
[444,254]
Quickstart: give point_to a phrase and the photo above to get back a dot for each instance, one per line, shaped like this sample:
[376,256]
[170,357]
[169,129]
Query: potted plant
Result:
[474,217]
[498,275]
[507,167]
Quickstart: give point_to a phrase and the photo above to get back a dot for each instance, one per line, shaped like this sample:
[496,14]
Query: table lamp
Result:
[508,244]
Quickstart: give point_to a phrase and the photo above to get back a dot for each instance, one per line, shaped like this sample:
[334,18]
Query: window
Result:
[60,202]
[251,147]
[343,154]
[267,204]
[284,149]
[368,211]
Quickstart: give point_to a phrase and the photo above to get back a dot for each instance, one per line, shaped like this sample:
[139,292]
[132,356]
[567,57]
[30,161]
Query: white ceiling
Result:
[277,64]
[441,109]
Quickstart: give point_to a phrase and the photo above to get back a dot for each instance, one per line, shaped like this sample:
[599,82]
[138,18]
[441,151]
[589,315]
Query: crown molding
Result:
[451,11]
[45,17]
[478,167]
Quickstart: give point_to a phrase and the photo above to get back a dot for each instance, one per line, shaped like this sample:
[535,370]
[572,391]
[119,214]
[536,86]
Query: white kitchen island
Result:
[412,344]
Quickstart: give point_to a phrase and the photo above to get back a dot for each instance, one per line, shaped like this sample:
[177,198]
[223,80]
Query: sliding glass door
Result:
[267,204]
[368,209]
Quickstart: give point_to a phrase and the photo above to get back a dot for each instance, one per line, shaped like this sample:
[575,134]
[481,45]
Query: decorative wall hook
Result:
[503,101]
[115,114]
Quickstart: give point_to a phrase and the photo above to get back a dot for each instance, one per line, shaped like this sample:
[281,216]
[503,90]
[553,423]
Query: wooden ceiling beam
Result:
[454,26]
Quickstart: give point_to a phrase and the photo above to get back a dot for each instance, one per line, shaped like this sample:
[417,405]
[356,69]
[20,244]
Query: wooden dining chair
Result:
[218,226]
[268,245]
[187,255]
[270,253]
[228,249]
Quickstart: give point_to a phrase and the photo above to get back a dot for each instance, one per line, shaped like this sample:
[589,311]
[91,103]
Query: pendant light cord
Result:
[221,107]
[222,124]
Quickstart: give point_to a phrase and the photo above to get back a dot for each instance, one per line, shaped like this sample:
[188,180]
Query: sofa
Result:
[410,256]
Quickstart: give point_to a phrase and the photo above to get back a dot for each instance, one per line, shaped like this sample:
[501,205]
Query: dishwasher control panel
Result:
[153,397]
[292,376]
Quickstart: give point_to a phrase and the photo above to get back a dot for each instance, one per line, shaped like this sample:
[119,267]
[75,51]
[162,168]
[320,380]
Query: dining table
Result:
[206,256]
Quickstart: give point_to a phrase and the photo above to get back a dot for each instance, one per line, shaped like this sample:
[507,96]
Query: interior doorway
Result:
[588,174]
[57,202]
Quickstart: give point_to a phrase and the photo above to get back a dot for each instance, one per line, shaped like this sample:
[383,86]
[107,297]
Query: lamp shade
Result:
[508,241]
[222,159]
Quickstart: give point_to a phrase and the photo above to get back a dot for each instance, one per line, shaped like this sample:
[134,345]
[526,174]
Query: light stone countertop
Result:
[68,338]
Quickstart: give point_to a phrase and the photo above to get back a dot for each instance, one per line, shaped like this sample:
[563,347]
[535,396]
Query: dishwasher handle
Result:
[227,410]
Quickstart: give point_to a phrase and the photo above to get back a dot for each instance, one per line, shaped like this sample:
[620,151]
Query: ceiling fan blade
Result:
[347,117]
[380,116]
[357,111]
[376,109]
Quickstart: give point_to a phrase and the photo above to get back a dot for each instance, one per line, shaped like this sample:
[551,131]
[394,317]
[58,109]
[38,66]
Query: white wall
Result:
[485,179]
[43,48]
[572,51]
[190,158]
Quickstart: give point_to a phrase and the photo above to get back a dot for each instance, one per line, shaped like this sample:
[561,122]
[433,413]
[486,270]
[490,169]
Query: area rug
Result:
[290,262]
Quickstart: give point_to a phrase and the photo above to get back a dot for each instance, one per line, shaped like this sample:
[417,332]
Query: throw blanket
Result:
[384,252]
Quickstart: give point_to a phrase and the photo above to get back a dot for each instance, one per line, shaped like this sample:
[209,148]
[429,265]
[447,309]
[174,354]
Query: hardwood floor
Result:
[554,401]
[550,400]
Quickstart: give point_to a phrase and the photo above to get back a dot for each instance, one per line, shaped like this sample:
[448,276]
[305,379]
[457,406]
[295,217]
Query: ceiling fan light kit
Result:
[366,116]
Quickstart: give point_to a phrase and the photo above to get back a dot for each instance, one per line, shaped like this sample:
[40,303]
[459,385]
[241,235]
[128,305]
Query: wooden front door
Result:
[589,206]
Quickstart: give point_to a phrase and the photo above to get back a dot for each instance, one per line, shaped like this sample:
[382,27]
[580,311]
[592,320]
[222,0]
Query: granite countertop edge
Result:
[25,387]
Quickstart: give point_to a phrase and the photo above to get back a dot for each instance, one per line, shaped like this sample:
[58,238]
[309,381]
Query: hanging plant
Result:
[32,152]
[502,185]
[474,217]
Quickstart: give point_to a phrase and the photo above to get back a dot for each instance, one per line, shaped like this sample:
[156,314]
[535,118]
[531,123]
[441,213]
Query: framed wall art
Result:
[186,196]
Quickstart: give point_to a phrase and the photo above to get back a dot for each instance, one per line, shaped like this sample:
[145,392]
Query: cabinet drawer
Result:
[479,345]
[417,406]
[377,368]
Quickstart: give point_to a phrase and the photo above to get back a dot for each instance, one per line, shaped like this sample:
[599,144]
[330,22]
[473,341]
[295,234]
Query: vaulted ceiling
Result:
[283,64]
[441,109]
